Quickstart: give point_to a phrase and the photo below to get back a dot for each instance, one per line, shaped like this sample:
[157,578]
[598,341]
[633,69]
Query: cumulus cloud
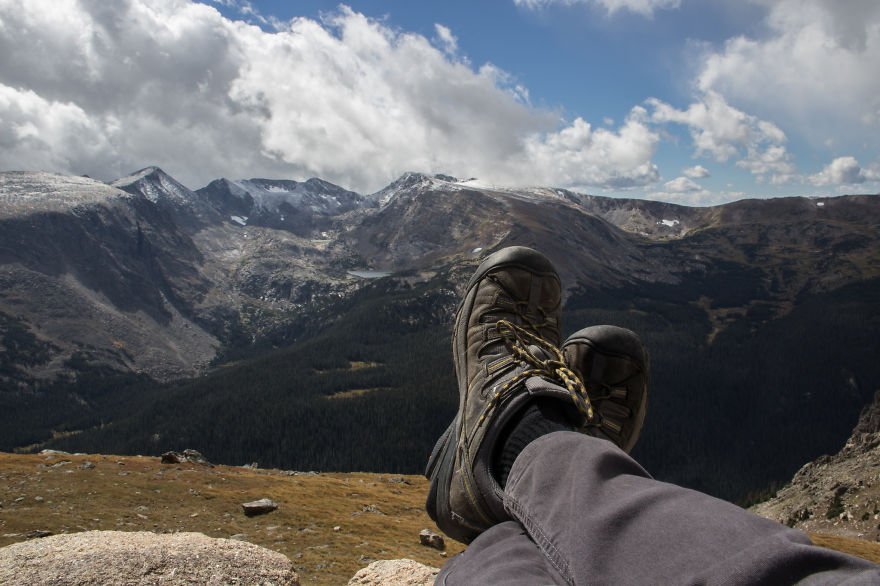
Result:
[696,172]
[27,121]
[773,162]
[108,87]
[717,128]
[643,7]
[844,171]
[722,132]
[616,160]
[812,72]
[682,185]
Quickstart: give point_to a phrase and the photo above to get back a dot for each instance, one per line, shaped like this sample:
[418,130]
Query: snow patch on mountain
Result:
[316,195]
[534,194]
[25,192]
[413,183]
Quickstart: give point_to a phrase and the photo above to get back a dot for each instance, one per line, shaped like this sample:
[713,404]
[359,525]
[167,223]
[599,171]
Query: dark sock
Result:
[538,418]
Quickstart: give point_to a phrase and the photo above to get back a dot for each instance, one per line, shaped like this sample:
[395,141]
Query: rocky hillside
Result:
[839,494]
[91,274]
[148,276]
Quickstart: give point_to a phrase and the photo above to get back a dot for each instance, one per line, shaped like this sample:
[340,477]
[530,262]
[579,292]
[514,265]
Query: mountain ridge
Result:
[758,314]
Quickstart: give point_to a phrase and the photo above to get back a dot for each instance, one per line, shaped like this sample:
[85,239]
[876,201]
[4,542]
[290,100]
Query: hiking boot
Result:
[505,348]
[613,365]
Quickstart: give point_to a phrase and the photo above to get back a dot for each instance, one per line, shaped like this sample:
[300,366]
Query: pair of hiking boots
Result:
[509,355]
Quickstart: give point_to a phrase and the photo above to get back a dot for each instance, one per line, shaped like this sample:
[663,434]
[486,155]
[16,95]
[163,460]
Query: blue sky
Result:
[693,101]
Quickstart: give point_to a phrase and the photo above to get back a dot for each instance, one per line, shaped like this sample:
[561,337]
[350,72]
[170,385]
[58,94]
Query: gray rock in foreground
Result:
[431,539]
[191,456]
[395,573]
[116,557]
[260,507]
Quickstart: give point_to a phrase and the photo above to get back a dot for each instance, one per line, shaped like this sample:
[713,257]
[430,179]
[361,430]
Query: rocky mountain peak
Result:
[280,196]
[156,186]
[412,183]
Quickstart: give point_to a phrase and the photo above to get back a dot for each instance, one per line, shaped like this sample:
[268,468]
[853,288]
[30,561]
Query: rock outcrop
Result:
[191,456]
[260,507]
[395,573]
[840,494]
[430,539]
[116,558]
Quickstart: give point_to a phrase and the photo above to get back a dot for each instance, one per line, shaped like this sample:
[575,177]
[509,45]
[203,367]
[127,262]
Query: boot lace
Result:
[518,341]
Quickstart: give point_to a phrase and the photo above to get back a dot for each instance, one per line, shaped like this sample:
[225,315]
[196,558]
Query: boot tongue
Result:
[539,353]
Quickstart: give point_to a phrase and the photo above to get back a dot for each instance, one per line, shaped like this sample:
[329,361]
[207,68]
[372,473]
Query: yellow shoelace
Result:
[518,340]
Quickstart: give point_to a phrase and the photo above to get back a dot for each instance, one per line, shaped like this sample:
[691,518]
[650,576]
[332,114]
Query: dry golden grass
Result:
[352,365]
[353,393]
[361,365]
[868,550]
[379,515]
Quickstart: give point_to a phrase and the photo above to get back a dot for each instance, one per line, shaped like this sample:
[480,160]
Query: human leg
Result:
[593,513]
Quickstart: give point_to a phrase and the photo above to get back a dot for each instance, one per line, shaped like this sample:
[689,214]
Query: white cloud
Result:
[696,172]
[813,72]
[108,87]
[773,161]
[717,128]
[447,39]
[844,171]
[617,160]
[682,185]
[246,9]
[723,132]
[643,7]
[27,121]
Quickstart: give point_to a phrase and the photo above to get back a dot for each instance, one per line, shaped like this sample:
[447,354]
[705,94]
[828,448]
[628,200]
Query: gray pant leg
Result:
[502,555]
[598,518]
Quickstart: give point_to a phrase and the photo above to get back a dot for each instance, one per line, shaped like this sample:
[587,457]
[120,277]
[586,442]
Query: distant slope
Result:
[726,417]
[92,275]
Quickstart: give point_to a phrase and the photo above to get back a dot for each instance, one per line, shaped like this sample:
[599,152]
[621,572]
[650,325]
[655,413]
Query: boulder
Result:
[260,507]
[431,539]
[395,573]
[143,558]
[191,456]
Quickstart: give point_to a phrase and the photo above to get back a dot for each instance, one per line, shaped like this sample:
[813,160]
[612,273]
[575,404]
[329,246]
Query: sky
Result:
[697,102]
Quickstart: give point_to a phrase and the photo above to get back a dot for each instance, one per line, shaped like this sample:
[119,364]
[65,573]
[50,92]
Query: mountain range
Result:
[307,326]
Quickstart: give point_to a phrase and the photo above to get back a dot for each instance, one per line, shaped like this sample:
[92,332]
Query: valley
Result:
[142,316]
